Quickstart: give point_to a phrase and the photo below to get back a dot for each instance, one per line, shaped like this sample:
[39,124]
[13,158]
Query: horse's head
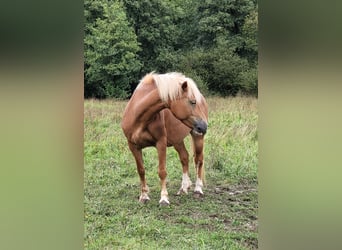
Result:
[191,108]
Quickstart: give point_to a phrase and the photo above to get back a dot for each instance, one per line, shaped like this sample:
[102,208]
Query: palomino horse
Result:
[162,111]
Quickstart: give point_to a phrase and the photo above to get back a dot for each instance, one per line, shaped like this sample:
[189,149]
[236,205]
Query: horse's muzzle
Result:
[200,127]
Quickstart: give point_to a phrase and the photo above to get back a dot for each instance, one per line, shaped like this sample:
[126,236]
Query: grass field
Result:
[224,218]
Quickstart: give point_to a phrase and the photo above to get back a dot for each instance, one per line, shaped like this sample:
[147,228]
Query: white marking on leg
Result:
[198,187]
[164,200]
[186,184]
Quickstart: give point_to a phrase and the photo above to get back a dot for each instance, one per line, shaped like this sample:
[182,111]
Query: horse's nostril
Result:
[204,129]
[201,127]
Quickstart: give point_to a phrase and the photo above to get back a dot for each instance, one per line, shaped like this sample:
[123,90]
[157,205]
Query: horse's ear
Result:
[184,85]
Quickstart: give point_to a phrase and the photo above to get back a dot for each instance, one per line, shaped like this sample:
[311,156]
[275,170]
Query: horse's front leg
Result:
[161,148]
[141,170]
[184,158]
[198,158]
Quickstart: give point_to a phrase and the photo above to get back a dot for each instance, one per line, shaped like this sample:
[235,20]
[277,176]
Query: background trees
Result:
[110,47]
[214,42]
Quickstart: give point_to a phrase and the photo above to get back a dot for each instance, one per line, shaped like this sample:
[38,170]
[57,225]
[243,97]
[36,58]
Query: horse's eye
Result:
[192,102]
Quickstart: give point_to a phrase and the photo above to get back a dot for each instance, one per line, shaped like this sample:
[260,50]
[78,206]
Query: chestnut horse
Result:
[162,111]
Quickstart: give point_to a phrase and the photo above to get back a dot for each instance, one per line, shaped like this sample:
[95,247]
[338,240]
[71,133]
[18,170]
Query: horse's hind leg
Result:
[141,170]
[184,158]
[198,150]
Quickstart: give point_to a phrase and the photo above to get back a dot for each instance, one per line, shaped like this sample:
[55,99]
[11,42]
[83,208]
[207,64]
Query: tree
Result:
[225,54]
[222,19]
[250,37]
[155,23]
[110,50]
[219,67]
[213,42]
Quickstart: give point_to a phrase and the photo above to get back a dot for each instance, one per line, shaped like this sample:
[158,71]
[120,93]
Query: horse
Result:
[162,111]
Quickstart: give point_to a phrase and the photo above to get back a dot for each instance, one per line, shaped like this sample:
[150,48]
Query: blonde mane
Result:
[169,85]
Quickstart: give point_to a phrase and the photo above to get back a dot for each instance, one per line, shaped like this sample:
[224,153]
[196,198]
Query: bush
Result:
[223,71]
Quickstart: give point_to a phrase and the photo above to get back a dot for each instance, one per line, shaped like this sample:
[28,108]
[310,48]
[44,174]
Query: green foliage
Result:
[221,19]
[249,80]
[224,218]
[250,37]
[228,41]
[155,24]
[214,42]
[223,70]
[110,51]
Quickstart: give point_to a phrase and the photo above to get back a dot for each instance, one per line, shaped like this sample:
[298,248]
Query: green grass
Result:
[225,218]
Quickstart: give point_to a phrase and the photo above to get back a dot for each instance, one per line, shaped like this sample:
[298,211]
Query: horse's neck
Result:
[148,105]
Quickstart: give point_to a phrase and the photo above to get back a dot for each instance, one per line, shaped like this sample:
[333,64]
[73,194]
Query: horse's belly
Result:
[143,138]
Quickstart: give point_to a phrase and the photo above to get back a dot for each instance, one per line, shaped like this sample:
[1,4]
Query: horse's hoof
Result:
[182,191]
[198,189]
[164,202]
[144,199]
[198,194]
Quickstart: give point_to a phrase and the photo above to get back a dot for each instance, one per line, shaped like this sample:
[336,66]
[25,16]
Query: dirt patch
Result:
[238,210]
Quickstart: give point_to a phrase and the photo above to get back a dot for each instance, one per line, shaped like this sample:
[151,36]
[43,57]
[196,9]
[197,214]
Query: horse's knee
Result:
[184,159]
[162,173]
[141,171]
